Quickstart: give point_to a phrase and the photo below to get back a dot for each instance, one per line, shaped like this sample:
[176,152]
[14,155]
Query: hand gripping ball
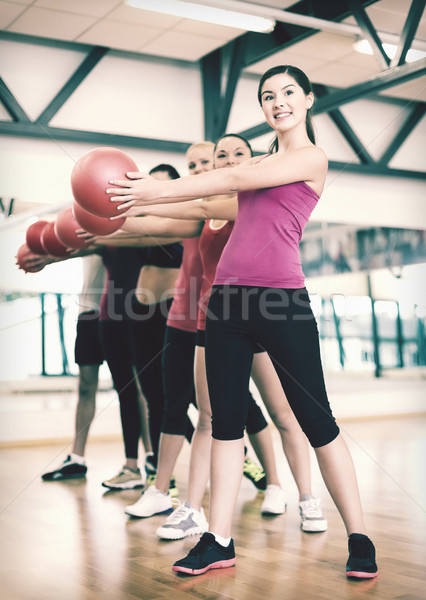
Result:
[91,175]
[21,258]
[65,229]
[93,224]
[33,237]
[51,243]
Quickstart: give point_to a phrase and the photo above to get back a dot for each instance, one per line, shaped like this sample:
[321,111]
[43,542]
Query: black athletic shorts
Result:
[88,350]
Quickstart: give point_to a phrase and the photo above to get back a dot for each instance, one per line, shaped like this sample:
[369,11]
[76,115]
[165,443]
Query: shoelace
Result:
[205,542]
[125,471]
[312,509]
[178,513]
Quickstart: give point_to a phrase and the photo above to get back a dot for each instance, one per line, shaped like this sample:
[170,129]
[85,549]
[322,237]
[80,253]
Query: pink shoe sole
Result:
[361,574]
[221,564]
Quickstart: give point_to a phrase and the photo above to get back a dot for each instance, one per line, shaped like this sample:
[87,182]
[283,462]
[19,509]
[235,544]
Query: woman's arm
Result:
[222,207]
[308,163]
[158,226]
[134,241]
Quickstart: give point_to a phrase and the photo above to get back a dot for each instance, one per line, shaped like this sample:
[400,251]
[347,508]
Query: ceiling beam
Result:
[409,31]
[382,81]
[235,66]
[410,123]
[91,60]
[369,32]
[34,130]
[56,134]
[375,169]
[11,104]
[345,129]
[211,76]
[225,63]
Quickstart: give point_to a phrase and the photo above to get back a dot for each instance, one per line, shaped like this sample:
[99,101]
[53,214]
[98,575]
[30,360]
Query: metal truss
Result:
[221,71]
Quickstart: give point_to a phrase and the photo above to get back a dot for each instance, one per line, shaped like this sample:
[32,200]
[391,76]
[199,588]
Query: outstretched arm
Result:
[221,207]
[307,163]
[158,226]
[132,241]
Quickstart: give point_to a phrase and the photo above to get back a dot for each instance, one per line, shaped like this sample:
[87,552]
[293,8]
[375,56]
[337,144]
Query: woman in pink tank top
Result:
[259,298]
[230,151]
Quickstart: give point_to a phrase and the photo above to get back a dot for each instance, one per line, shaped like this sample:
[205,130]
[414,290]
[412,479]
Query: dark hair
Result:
[234,135]
[300,78]
[171,171]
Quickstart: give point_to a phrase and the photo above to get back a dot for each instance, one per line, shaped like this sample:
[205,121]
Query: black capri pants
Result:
[178,379]
[256,421]
[280,321]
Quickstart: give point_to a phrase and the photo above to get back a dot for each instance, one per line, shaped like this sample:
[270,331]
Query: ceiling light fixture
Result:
[208,14]
[364,47]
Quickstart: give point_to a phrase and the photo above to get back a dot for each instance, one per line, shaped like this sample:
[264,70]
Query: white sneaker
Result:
[313,520]
[274,502]
[184,521]
[152,502]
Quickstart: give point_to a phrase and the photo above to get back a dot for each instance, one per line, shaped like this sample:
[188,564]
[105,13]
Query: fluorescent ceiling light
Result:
[208,14]
[364,47]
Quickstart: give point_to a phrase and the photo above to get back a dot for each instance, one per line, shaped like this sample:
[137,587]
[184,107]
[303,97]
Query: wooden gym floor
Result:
[72,540]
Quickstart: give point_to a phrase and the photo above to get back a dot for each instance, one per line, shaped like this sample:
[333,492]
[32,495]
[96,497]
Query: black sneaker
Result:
[255,473]
[69,469]
[207,554]
[150,465]
[362,557]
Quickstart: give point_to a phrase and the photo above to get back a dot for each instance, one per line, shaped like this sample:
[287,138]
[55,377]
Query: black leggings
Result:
[178,378]
[138,344]
[282,322]
[178,372]
[115,339]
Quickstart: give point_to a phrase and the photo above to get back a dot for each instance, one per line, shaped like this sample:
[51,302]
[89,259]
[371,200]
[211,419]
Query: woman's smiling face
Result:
[284,102]
[230,152]
[200,159]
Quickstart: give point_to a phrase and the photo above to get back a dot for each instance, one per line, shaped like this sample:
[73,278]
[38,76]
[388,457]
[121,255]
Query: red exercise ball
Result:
[51,243]
[22,256]
[65,229]
[91,175]
[93,224]
[33,237]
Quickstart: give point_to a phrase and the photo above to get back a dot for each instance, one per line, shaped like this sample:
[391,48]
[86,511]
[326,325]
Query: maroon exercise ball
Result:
[23,254]
[33,237]
[93,224]
[65,229]
[91,175]
[51,243]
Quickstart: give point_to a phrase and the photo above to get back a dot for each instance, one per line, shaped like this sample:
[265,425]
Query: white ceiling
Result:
[328,58]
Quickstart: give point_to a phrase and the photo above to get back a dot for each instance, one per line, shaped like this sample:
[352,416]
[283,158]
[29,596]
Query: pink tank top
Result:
[184,310]
[263,249]
[212,243]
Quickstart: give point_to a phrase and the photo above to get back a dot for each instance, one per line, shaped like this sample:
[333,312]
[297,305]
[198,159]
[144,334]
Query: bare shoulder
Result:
[315,155]
[252,161]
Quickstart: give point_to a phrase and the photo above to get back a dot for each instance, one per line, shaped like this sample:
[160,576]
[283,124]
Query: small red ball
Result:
[93,224]
[33,237]
[65,229]
[23,254]
[91,175]
[51,243]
